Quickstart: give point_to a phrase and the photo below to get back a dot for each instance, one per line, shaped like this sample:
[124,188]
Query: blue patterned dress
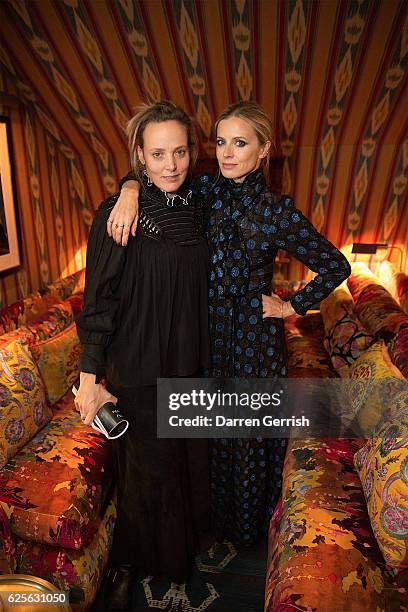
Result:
[246,224]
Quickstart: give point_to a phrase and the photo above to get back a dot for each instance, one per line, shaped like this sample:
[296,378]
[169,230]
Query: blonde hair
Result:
[158,112]
[254,114]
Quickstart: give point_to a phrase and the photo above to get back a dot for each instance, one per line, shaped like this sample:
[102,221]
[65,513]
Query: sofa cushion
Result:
[50,323]
[398,348]
[287,288]
[306,355]
[54,490]
[69,285]
[57,359]
[79,282]
[345,337]
[23,407]
[79,571]
[380,314]
[375,306]
[21,334]
[322,554]
[402,290]
[37,303]
[373,380]
[382,465]
[339,302]
[77,302]
[11,317]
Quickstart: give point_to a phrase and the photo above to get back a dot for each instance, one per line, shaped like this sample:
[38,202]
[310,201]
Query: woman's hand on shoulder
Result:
[91,397]
[124,216]
[274,306]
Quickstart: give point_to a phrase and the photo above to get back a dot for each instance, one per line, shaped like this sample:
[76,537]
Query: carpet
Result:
[224,580]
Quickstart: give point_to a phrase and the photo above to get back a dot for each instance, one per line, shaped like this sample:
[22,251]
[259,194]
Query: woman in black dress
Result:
[246,224]
[146,316]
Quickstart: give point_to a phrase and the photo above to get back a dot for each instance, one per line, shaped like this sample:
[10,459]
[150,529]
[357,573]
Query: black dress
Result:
[146,316]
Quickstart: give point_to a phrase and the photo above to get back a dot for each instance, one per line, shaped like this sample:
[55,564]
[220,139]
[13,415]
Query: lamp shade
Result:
[368,248]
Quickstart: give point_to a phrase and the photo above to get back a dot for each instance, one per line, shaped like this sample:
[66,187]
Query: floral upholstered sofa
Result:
[338,539]
[56,509]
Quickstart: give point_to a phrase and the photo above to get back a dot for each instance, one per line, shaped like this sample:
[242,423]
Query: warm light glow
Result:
[346,250]
[76,263]
[396,254]
[362,258]
[387,274]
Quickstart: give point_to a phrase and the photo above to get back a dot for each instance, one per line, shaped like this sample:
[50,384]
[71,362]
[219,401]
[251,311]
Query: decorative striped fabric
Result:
[332,75]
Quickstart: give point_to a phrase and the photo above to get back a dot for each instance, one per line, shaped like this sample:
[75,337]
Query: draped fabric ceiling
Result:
[331,73]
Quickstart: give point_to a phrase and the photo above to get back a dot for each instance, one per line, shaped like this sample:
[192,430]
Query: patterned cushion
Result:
[322,554]
[310,325]
[80,571]
[382,465]
[19,313]
[398,348]
[306,355]
[345,337]
[11,317]
[22,334]
[402,291]
[57,359]
[338,303]
[374,380]
[69,285]
[23,408]
[395,282]
[287,288]
[79,282]
[375,307]
[36,304]
[380,314]
[55,488]
[77,302]
[57,318]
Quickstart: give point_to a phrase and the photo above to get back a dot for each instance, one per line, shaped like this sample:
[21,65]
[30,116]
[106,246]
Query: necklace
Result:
[171,200]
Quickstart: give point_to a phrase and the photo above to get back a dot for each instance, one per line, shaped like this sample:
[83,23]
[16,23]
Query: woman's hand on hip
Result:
[91,397]
[125,214]
[273,306]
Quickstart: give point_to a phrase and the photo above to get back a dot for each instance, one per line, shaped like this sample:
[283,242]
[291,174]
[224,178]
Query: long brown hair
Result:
[157,113]
[254,114]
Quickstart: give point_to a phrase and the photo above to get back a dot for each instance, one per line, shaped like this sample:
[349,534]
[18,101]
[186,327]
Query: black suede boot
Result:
[120,587]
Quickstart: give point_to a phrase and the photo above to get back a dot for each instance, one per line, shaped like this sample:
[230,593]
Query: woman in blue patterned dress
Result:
[246,224]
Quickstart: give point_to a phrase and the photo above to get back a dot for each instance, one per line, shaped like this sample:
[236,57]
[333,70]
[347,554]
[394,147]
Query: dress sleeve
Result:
[129,177]
[294,233]
[104,266]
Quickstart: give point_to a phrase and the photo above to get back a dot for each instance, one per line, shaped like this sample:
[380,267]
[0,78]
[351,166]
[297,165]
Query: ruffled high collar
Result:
[183,197]
[253,183]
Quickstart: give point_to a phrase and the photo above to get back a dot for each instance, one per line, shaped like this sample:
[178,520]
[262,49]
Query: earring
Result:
[149,182]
